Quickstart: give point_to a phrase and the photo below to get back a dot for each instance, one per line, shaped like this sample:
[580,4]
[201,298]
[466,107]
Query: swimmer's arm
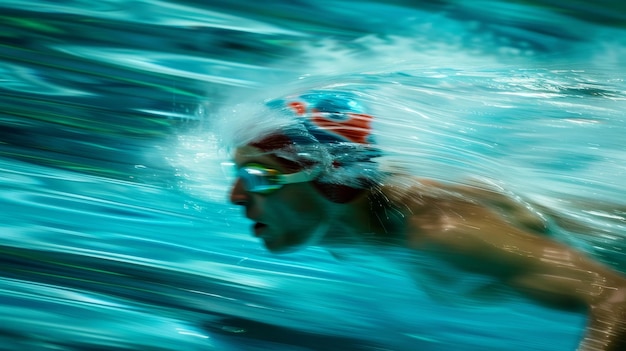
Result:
[540,268]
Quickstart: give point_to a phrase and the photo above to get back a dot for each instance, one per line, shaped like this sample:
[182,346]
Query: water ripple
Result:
[153,12]
[197,68]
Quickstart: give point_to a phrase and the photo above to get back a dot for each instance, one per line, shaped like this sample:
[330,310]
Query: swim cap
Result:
[330,116]
[327,127]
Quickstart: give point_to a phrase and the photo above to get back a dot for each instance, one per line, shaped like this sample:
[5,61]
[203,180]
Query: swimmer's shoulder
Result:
[428,196]
[415,191]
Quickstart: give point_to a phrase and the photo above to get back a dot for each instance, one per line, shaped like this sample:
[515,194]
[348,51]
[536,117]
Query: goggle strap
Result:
[299,177]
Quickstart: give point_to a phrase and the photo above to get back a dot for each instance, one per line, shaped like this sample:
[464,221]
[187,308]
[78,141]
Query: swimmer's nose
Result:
[238,195]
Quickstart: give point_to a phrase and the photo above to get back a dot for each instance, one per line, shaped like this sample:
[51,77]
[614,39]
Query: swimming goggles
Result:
[257,178]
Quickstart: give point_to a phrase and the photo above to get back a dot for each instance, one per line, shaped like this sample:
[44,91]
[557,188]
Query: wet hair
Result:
[331,129]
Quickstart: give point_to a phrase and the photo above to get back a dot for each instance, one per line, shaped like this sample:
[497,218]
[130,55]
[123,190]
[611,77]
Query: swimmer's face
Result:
[286,218]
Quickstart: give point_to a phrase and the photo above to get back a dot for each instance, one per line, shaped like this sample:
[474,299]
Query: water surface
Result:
[116,232]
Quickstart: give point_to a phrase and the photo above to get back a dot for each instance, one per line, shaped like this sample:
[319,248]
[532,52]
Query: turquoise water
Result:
[116,230]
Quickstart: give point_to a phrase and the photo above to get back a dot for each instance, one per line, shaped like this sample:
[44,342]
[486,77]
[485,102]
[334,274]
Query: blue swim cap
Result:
[329,116]
[326,127]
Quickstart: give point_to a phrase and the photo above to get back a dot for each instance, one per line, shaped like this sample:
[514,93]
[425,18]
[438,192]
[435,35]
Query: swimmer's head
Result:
[329,129]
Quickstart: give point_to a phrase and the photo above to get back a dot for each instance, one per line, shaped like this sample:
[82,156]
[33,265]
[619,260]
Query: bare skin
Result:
[477,230]
[542,269]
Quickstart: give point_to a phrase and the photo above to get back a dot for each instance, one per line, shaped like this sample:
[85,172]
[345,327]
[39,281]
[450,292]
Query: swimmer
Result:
[314,178]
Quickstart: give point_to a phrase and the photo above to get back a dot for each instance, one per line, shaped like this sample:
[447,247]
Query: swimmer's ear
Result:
[338,193]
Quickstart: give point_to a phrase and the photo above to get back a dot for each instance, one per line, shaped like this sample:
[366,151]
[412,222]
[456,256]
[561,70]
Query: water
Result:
[116,232]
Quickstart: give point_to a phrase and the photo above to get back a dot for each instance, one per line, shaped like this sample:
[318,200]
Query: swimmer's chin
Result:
[275,244]
[258,229]
[280,248]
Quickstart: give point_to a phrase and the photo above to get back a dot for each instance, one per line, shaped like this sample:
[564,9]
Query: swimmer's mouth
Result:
[259,228]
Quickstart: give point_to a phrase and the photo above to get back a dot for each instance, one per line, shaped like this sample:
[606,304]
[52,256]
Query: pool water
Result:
[116,229]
